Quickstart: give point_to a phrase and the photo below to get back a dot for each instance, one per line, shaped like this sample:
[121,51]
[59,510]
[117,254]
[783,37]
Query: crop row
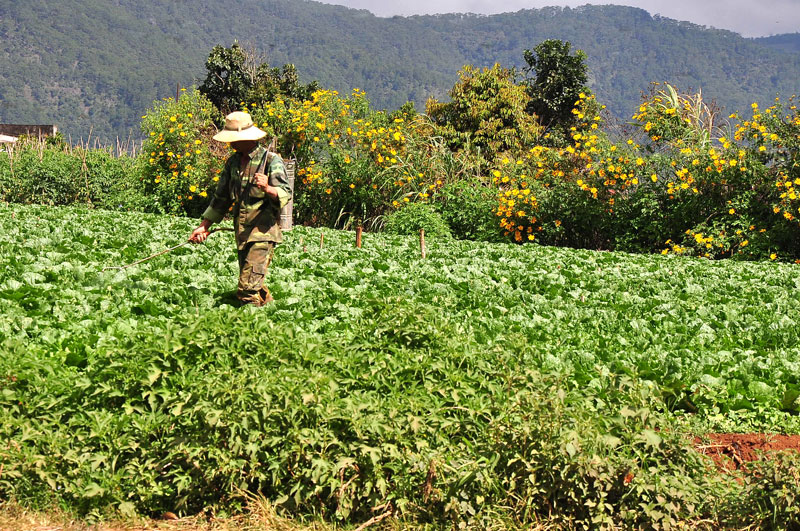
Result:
[485,376]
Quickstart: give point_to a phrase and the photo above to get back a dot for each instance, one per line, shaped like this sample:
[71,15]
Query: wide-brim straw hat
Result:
[239,126]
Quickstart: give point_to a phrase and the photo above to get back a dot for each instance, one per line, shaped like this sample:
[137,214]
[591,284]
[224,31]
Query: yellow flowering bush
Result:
[683,185]
[181,163]
[685,182]
[345,154]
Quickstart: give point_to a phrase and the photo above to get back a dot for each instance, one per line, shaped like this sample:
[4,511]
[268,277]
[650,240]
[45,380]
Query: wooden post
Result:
[422,243]
[358,236]
[321,240]
[303,244]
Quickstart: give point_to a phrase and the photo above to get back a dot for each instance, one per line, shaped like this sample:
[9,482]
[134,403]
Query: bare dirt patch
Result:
[732,451]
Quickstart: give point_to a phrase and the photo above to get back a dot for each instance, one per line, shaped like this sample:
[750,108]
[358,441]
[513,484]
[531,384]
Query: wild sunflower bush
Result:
[181,163]
[682,185]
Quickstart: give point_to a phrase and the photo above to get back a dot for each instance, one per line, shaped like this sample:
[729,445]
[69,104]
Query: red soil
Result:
[732,451]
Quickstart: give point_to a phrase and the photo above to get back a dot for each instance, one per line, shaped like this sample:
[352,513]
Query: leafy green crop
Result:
[486,379]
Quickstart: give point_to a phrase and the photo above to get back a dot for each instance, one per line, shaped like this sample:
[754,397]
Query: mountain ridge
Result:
[97,65]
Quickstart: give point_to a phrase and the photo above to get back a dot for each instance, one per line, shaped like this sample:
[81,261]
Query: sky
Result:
[750,18]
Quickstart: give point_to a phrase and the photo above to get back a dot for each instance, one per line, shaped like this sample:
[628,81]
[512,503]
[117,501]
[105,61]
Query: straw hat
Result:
[239,126]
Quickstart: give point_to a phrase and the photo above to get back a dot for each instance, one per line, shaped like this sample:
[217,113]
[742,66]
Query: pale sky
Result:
[750,18]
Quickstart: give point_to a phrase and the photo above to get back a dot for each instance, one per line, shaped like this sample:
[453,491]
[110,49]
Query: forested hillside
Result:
[789,42]
[98,64]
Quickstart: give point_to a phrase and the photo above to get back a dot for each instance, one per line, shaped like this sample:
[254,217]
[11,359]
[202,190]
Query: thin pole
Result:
[422,243]
[321,240]
[165,251]
[358,236]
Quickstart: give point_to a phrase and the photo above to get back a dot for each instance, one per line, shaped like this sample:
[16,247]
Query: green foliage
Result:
[412,217]
[53,173]
[554,80]
[467,206]
[181,162]
[486,112]
[485,383]
[770,493]
[237,75]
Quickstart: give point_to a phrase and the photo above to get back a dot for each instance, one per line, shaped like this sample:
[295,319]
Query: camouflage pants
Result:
[254,260]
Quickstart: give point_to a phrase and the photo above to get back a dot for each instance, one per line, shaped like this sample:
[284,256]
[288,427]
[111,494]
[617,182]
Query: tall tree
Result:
[239,75]
[554,80]
[487,110]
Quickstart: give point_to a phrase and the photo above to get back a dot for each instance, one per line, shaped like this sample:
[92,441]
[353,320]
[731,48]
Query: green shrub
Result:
[770,494]
[47,176]
[412,217]
[54,173]
[116,182]
[467,206]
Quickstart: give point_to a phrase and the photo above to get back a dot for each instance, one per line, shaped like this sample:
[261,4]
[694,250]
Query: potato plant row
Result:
[484,383]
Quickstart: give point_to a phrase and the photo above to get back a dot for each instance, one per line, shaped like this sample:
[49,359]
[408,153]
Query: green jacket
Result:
[256,216]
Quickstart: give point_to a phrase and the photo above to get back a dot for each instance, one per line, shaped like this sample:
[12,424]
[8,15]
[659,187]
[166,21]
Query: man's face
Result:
[244,146]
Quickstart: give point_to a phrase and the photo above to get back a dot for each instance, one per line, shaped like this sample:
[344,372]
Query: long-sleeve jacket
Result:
[256,216]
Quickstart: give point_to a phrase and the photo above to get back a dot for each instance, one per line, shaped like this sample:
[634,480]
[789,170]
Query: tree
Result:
[487,110]
[239,75]
[554,81]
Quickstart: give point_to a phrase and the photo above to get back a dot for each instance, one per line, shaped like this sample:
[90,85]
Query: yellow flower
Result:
[192,188]
[773,256]
[654,177]
[352,185]
[732,211]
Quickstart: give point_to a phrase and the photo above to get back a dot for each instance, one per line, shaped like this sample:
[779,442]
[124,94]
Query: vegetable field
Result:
[486,382]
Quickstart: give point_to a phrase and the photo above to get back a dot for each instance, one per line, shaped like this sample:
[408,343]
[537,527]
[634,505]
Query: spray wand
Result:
[165,251]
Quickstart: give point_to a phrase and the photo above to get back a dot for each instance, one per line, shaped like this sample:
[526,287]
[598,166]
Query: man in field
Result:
[254,182]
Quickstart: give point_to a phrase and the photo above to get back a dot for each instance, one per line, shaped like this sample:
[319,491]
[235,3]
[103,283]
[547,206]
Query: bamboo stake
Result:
[321,240]
[358,236]
[85,171]
[422,243]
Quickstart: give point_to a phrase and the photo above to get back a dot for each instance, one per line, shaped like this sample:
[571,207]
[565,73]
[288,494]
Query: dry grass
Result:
[259,517]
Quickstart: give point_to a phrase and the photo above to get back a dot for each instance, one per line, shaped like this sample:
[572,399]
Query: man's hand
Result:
[262,181]
[200,234]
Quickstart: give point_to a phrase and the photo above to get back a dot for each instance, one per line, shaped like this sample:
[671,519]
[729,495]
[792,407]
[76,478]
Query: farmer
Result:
[254,182]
